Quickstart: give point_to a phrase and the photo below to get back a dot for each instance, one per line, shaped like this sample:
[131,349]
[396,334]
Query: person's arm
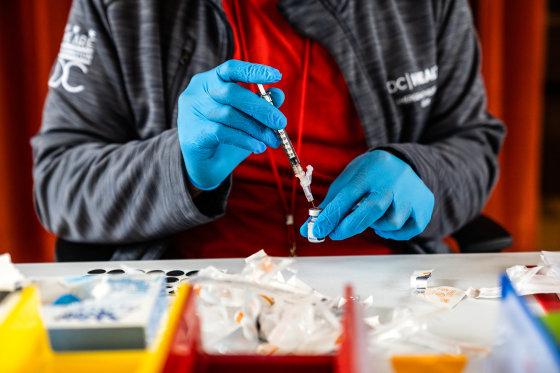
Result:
[100,174]
[95,179]
[446,176]
[457,155]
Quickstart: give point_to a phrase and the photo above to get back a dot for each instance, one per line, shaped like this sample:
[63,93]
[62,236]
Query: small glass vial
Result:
[313,213]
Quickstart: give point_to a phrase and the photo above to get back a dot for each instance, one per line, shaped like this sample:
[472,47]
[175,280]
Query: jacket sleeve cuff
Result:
[206,207]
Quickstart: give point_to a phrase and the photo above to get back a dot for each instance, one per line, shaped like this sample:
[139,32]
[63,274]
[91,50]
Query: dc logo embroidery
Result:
[76,53]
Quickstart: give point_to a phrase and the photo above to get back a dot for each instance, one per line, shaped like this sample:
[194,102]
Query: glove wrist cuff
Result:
[201,188]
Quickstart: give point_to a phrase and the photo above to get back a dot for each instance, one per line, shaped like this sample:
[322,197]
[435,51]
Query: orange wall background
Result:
[512,35]
[512,38]
[30,34]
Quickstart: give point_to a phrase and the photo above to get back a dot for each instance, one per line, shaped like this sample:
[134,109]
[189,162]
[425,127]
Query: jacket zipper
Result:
[179,77]
[186,57]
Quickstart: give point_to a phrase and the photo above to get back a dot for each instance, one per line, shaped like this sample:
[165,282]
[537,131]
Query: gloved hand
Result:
[220,122]
[391,199]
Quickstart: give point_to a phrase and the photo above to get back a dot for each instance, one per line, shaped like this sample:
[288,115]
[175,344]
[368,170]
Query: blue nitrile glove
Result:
[220,122]
[391,199]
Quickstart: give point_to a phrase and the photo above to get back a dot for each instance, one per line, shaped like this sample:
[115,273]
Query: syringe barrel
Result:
[287,146]
[284,139]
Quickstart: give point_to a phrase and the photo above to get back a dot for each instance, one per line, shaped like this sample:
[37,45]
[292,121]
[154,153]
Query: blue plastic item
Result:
[220,123]
[377,190]
[523,344]
[66,299]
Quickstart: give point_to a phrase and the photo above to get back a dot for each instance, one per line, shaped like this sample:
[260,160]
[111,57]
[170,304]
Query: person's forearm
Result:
[460,171]
[110,193]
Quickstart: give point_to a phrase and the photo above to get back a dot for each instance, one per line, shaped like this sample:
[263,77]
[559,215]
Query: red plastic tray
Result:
[549,302]
[186,354]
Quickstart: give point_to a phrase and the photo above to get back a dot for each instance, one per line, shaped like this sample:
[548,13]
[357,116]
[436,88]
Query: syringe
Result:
[304,178]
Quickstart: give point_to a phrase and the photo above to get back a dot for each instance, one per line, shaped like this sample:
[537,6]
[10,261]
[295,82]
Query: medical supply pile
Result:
[265,309]
[528,325]
[215,320]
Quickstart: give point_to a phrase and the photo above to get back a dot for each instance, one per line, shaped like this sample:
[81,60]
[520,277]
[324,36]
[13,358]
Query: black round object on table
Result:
[175,272]
[96,271]
[116,271]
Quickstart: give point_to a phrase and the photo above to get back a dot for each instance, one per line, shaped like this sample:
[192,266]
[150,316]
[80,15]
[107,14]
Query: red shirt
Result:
[331,137]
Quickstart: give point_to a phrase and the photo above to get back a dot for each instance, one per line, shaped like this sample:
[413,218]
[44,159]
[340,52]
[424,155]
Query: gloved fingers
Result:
[277,96]
[244,100]
[331,193]
[235,119]
[370,208]
[230,136]
[334,211]
[424,206]
[247,72]
[394,218]
[423,212]
[337,185]
[350,175]
[410,229]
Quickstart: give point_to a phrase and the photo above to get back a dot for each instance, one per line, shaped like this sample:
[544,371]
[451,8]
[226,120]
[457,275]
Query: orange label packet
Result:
[445,296]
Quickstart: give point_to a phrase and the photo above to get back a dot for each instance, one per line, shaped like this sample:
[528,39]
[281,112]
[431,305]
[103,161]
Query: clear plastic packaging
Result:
[535,280]
[406,336]
[10,277]
[259,311]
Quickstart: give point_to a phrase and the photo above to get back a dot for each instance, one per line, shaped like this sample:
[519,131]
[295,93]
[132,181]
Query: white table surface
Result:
[386,278]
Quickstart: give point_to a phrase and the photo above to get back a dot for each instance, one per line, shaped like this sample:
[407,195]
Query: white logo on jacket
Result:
[409,81]
[76,51]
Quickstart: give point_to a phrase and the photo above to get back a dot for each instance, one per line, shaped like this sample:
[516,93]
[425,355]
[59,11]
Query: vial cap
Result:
[315,211]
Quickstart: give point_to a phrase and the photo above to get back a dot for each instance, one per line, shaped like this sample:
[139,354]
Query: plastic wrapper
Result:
[551,258]
[10,281]
[10,278]
[443,296]
[534,280]
[485,293]
[260,311]
[541,279]
[522,343]
[406,336]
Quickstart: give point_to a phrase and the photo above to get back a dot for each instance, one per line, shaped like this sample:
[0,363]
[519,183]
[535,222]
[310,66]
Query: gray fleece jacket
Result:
[107,163]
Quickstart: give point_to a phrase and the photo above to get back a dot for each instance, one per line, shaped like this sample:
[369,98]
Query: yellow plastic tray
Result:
[24,347]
